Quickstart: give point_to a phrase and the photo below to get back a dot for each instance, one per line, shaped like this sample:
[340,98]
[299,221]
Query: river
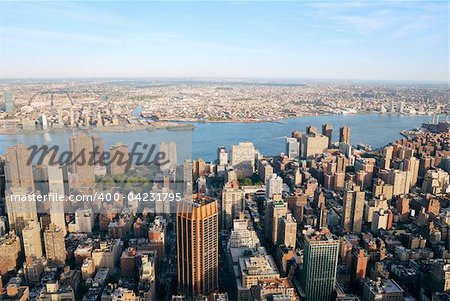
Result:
[202,142]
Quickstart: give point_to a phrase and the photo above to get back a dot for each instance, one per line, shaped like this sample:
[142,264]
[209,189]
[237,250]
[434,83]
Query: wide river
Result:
[202,142]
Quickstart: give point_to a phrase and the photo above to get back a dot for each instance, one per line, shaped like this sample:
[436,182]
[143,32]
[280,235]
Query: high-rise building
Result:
[287,231]
[242,158]
[20,210]
[169,149]
[31,236]
[274,187]
[292,148]
[313,144]
[344,135]
[119,159]
[82,149]
[55,248]
[320,261]
[99,148]
[232,204]
[157,236]
[10,251]
[327,130]
[265,170]
[222,156]
[197,229]
[359,264]
[399,180]
[352,216]
[379,220]
[18,172]
[9,104]
[274,211]
[53,179]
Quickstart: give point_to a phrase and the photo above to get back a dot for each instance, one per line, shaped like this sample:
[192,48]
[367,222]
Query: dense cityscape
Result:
[320,221]
[224,150]
[113,105]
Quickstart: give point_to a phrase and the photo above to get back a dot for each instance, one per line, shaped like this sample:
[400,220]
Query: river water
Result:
[202,142]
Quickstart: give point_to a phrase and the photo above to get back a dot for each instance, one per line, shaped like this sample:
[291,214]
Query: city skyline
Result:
[325,40]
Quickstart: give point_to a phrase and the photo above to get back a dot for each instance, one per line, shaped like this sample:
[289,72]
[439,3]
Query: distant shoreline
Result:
[184,124]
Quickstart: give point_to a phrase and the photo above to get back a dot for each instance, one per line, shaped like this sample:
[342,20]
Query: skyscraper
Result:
[242,158]
[352,216]
[274,211]
[99,148]
[232,204]
[313,144]
[274,187]
[31,236]
[292,148]
[119,159]
[9,104]
[327,130]
[18,172]
[20,210]
[197,229]
[169,149]
[344,135]
[82,149]
[55,248]
[53,179]
[222,156]
[287,231]
[320,261]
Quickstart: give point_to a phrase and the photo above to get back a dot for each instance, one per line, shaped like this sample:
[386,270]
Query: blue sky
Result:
[333,40]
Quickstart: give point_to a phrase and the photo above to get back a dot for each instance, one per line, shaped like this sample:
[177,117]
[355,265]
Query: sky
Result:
[376,40]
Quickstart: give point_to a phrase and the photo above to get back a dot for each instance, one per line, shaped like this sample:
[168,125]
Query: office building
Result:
[31,236]
[232,204]
[119,161]
[292,148]
[313,144]
[9,104]
[287,231]
[222,156]
[274,187]
[55,248]
[379,220]
[352,216]
[99,148]
[274,211]
[82,149]
[242,158]
[20,209]
[197,229]
[318,275]
[169,149]
[327,130]
[18,172]
[10,250]
[344,135]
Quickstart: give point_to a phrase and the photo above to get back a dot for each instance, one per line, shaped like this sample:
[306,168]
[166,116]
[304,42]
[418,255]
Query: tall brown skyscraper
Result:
[198,245]
[327,130]
[119,158]
[344,135]
[82,149]
[55,247]
[352,216]
[18,172]
[99,146]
